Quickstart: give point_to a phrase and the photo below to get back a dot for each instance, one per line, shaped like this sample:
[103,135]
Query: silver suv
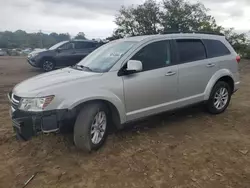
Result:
[126,80]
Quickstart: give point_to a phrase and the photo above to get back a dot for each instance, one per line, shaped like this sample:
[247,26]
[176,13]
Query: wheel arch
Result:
[47,58]
[115,114]
[221,75]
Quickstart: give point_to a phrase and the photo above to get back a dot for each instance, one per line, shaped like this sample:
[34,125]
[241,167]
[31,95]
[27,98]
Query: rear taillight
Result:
[238,58]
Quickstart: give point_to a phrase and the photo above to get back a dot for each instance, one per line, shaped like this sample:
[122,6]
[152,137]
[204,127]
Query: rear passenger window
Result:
[84,45]
[190,50]
[215,48]
[67,46]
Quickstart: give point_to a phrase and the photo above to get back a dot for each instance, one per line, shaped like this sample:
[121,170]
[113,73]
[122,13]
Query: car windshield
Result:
[57,45]
[103,59]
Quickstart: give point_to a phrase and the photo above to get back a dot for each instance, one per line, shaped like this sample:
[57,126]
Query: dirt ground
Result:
[189,148]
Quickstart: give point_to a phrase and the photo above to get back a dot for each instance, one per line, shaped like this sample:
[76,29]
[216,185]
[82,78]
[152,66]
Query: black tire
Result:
[83,124]
[48,65]
[211,102]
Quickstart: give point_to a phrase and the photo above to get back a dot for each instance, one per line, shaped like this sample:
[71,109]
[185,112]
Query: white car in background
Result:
[2,53]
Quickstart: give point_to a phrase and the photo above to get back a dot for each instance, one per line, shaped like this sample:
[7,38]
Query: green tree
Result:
[180,15]
[138,20]
[238,41]
[80,35]
[21,39]
[173,16]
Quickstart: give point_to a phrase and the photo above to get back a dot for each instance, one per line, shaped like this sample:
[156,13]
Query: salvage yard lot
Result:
[189,148]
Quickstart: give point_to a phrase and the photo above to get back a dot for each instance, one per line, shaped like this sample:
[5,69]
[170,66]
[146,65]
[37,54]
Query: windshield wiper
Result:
[82,67]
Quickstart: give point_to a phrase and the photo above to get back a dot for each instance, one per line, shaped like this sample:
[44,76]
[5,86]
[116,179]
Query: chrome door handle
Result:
[170,73]
[210,65]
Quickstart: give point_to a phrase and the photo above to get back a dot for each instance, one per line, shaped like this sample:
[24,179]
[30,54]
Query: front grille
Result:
[14,100]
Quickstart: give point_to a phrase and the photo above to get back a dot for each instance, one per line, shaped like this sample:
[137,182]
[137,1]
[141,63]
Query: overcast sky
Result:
[96,17]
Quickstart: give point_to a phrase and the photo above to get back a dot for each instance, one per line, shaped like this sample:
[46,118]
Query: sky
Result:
[96,17]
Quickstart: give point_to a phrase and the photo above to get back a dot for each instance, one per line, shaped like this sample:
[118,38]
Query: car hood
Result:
[40,83]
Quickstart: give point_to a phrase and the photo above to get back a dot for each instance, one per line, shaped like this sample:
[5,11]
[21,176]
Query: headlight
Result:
[35,104]
[33,55]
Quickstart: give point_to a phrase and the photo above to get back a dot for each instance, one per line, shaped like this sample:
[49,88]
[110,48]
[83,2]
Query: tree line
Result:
[168,16]
[151,17]
[22,39]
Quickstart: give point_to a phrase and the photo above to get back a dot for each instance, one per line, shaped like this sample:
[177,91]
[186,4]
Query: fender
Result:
[100,95]
[219,74]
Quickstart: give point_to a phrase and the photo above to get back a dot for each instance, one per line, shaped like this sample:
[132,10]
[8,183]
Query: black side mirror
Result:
[58,50]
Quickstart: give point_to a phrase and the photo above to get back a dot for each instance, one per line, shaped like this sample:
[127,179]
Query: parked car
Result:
[2,53]
[63,54]
[126,80]
[26,51]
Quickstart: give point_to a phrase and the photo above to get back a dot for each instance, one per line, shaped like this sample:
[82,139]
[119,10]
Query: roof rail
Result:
[195,32]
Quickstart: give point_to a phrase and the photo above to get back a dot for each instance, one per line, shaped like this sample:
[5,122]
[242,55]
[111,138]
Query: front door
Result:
[155,87]
[65,55]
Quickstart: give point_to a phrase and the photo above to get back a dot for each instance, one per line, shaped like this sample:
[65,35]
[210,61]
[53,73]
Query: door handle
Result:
[210,65]
[73,53]
[170,73]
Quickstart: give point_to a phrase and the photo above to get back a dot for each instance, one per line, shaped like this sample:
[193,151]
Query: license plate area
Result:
[24,128]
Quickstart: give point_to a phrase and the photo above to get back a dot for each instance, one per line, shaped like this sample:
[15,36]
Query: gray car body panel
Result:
[131,96]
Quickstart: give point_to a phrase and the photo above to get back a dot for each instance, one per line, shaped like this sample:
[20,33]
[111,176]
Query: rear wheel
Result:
[90,130]
[48,65]
[220,98]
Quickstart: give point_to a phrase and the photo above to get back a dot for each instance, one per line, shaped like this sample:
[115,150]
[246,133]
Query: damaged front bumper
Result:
[29,124]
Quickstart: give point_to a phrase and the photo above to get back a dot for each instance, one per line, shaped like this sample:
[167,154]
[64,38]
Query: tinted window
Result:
[154,55]
[57,45]
[215,48]
[67,46]
[83,45]
[190,50]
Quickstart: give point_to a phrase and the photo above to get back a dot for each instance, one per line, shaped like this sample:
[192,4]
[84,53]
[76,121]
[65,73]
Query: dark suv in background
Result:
[62,54]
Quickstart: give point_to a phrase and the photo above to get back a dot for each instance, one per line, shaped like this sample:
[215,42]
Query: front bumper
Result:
[236,86]
[33,62]
[29,124]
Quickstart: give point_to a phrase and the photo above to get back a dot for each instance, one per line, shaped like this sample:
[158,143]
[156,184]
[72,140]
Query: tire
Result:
[48,65]
[84,128]
[218,102]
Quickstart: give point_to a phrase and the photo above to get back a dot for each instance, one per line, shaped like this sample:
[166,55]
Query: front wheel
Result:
[220,98]
[48,65]
[90,130]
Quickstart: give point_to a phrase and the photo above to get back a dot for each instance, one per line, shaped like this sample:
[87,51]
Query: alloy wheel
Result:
[98,127]
[221,98]
[48,66]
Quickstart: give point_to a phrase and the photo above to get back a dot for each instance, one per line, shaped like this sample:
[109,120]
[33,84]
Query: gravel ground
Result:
[188,148]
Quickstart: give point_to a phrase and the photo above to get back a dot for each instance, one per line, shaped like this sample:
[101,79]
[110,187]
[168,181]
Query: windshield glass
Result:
[57,45]
[102,59]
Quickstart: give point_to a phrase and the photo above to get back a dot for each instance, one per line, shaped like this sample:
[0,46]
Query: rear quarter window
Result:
[215,48]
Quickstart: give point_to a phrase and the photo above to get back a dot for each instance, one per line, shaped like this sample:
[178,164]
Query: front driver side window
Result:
[155,55]
[67,46]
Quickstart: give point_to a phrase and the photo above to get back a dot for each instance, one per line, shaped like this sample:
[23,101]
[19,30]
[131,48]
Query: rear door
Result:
[195,70]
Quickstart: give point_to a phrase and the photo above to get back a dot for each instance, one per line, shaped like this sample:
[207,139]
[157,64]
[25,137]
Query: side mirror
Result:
[58,50]
[134,66]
